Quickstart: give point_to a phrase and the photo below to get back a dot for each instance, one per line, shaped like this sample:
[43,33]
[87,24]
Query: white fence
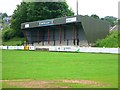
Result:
[84,49]
[66,49]
[16,47]
[63,48]
[100,50]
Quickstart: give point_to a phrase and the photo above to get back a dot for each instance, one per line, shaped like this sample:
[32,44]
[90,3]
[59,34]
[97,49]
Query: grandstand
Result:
[66,31]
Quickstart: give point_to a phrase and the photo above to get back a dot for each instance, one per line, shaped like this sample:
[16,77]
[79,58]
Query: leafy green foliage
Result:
[112,40]
[95,16]
[34,11]
[2,22]
[111,20]
[0,19]
[16,41]
[4,15]
[19,17]
[7,33]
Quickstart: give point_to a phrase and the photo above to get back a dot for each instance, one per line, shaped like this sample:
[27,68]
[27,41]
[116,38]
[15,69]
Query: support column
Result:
[48,36]
[43,35]
[60,35]
[54,37]
[64,34]
[74,34]
[77,36]
[75,31]
[38,36]
[25,37]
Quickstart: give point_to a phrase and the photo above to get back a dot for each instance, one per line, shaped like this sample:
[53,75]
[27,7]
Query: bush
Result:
[7,34]
[16,41]
[110,41]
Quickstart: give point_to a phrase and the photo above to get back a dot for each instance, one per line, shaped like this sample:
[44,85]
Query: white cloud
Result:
[86,7]
[100,7]
[8,6]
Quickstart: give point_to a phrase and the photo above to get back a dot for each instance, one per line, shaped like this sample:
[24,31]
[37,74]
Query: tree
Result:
[34,11]
[111,20]
[19,16]
[2,21]
[7,33]
[4,15]
[95,16]
[110,41]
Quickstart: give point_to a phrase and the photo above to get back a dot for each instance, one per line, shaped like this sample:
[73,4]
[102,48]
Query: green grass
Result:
[38,65]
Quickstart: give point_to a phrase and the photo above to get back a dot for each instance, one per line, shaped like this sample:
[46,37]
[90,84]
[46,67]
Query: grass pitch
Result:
[70,70]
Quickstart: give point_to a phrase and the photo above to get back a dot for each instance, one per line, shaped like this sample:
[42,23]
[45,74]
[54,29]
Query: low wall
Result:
[17,47]
[84,49]
[64,49]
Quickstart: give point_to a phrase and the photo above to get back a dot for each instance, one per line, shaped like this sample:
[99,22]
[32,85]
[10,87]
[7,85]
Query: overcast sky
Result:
[86,7]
